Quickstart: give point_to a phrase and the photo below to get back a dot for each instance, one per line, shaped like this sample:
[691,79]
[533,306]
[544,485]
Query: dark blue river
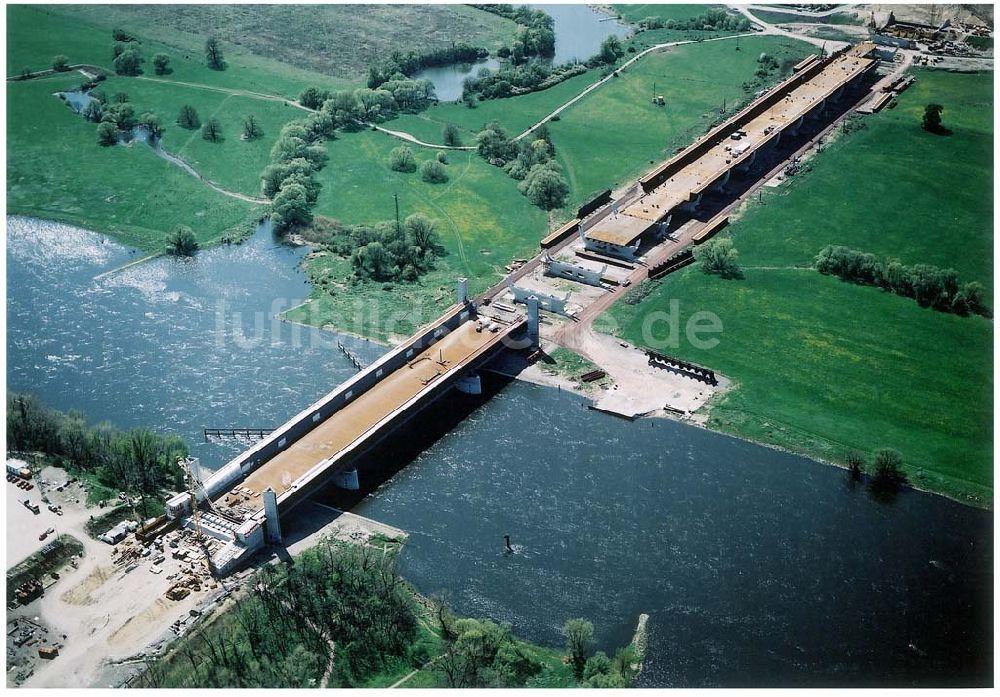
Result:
[758,568]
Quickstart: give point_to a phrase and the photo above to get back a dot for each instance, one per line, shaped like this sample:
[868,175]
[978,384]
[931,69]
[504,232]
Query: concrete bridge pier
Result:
[793,130]
[745,167]
[720,184]
[835,97]
[692,205]
[461,291]
[347,479]
[533,335]
[817,111]
[272,525]
[470,384]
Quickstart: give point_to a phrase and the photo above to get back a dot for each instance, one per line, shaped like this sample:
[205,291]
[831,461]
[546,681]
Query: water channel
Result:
[757,567]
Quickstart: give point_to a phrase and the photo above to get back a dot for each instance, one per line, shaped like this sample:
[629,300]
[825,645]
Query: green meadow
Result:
[56,170]
[824,367]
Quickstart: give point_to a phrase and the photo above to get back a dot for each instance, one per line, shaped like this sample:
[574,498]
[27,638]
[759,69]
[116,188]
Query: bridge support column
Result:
[462,291]
[745,167]
[817,111]
[533,336]
[720,185]
[272,526]
[347,479]
[470,384]
[793,130]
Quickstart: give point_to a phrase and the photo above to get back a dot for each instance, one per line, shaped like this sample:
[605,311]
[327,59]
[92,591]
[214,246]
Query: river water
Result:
[756,567]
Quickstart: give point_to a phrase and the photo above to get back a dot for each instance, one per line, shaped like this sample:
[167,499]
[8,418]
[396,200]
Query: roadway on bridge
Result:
[343,428]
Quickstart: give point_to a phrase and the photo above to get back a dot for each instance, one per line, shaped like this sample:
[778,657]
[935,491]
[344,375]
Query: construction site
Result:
[616,241]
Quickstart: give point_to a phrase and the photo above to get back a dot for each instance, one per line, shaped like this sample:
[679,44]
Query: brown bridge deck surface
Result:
[347,425]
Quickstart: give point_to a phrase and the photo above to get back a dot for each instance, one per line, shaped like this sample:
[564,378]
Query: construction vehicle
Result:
[658,100]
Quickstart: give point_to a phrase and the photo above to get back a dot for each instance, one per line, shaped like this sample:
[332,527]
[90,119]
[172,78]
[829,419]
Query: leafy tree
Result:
[117,49]
[182,242]
[212,130]
[188,117]
[579,633]
[888,471]
[122,35]
[932,118]
[251,129]
[611,50]
[401,160]
[25,73]
[442,157]
[107,133]
[855,465]
[60,63]
[120,97]
[300,169]
[433,172]
[128,63]
[422,234]
[151,122]
[93,111]
[313,97]
[213,54]
[161,64]
[373,261]
[544,186]
[596,664]
[450,135]
[290,207]
[121,115]
[719,256]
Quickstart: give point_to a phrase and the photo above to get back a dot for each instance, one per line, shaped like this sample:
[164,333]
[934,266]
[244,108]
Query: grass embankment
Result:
[335,42]
[571,365]
[616,132]
[823,367]
[341,617]
[774,17]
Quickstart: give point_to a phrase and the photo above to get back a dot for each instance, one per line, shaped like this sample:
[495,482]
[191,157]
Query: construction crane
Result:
[192,484]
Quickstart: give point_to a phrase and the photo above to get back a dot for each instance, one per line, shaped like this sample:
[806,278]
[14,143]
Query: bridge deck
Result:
[353,421]
[726,154]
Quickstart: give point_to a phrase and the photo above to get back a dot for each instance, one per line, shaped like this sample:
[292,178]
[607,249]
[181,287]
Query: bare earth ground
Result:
[99,605]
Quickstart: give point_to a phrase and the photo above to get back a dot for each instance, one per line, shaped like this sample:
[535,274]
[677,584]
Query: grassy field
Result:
[772,17]
[823,367]
[615,133]
[56,170]
[482,219]
[35,33]
[233,163]
[339,41]
[515,114]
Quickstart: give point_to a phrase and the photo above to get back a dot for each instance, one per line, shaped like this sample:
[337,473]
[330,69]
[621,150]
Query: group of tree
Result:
[407,64]
[161,64]
[530,162]
[60,63]
[597,670]
[513,79]
[887,474]
[338,602]
[290,178]
[117,116]
[711,20]
[719,257]
[182,242]
[136,461]
[535,37]
[928,285]
[344,108]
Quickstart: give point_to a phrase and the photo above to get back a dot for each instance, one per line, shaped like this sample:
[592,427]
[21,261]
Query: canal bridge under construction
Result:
[241,505]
